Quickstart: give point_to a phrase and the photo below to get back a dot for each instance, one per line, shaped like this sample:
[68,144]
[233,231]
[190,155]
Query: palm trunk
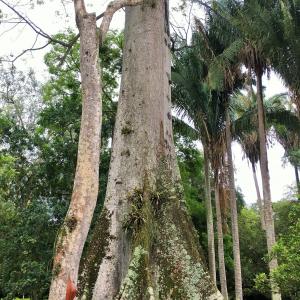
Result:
[297,180]
[209,219]
[144,245]
[268,211]
[222,270]
[234,215]
[74,231]
[259,200]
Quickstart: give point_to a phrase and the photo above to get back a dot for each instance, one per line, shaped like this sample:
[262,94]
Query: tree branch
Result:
[79,8]
[33,26]
[30,49]
[108,14]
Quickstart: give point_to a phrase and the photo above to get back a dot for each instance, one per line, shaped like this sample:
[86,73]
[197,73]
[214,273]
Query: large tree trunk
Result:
[268,211]
[222,270]
[234,215]
[144,246]
[72,235]
[209,219]
[259,200]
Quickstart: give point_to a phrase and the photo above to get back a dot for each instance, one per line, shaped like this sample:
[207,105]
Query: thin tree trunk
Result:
[144,245]
[268,211]
[222,270]
[297,180]
[209,219]
[234,215]
[259,200]
[74,231]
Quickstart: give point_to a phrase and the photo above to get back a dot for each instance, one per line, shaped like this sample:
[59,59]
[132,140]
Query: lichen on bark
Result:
[131,286]
[166,262]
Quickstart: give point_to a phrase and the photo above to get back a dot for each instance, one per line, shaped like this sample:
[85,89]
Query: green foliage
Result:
[26,239]
[191,167]
[253,248]
[287,274]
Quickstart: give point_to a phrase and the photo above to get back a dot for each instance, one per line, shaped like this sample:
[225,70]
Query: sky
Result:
[57,15]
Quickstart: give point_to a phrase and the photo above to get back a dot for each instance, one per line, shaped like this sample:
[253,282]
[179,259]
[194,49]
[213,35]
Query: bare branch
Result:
[79,8]
[68,50]
[33,26]
[30,49]
[15,25]
[108,14]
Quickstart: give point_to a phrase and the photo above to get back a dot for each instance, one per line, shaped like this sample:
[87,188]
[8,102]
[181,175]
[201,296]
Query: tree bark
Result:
[222,270]
[268,211]
[209,219]
[74,231]
[259,200]
[147,247]
[234,215]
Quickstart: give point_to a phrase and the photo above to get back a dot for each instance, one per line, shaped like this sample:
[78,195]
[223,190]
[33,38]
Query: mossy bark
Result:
[152,249]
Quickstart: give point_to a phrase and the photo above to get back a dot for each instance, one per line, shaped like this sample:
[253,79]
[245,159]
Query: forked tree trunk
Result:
[72,235]
[144,245]
[222,270]
[209,219]
[268,211]
[259,200]
[234,215]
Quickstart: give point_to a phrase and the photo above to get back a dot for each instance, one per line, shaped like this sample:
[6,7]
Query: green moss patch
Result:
[95,253]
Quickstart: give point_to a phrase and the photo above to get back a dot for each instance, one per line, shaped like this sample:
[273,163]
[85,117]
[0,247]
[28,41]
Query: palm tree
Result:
[230,80]
[242,46]
[279,118]
[284,53]
[242,105]
[191,98]
[206,108]
[234,217]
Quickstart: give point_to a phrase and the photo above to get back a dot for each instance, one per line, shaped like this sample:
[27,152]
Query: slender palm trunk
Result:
[74,231]
[234,215]
[222,270]
[144,245]
[209,219]
[259,200]
[297,180]
[268,211]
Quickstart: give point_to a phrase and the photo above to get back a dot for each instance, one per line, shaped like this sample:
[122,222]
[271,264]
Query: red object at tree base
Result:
[71,290]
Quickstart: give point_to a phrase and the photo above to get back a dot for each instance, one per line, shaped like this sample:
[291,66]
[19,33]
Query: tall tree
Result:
[144,244]
[192,100]
[203,107]
[234,215]
[230,80]
[248,139]
[222,269]
[244,44]
[72,236]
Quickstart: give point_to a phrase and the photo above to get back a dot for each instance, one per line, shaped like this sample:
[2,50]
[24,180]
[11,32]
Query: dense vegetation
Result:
[213,77]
